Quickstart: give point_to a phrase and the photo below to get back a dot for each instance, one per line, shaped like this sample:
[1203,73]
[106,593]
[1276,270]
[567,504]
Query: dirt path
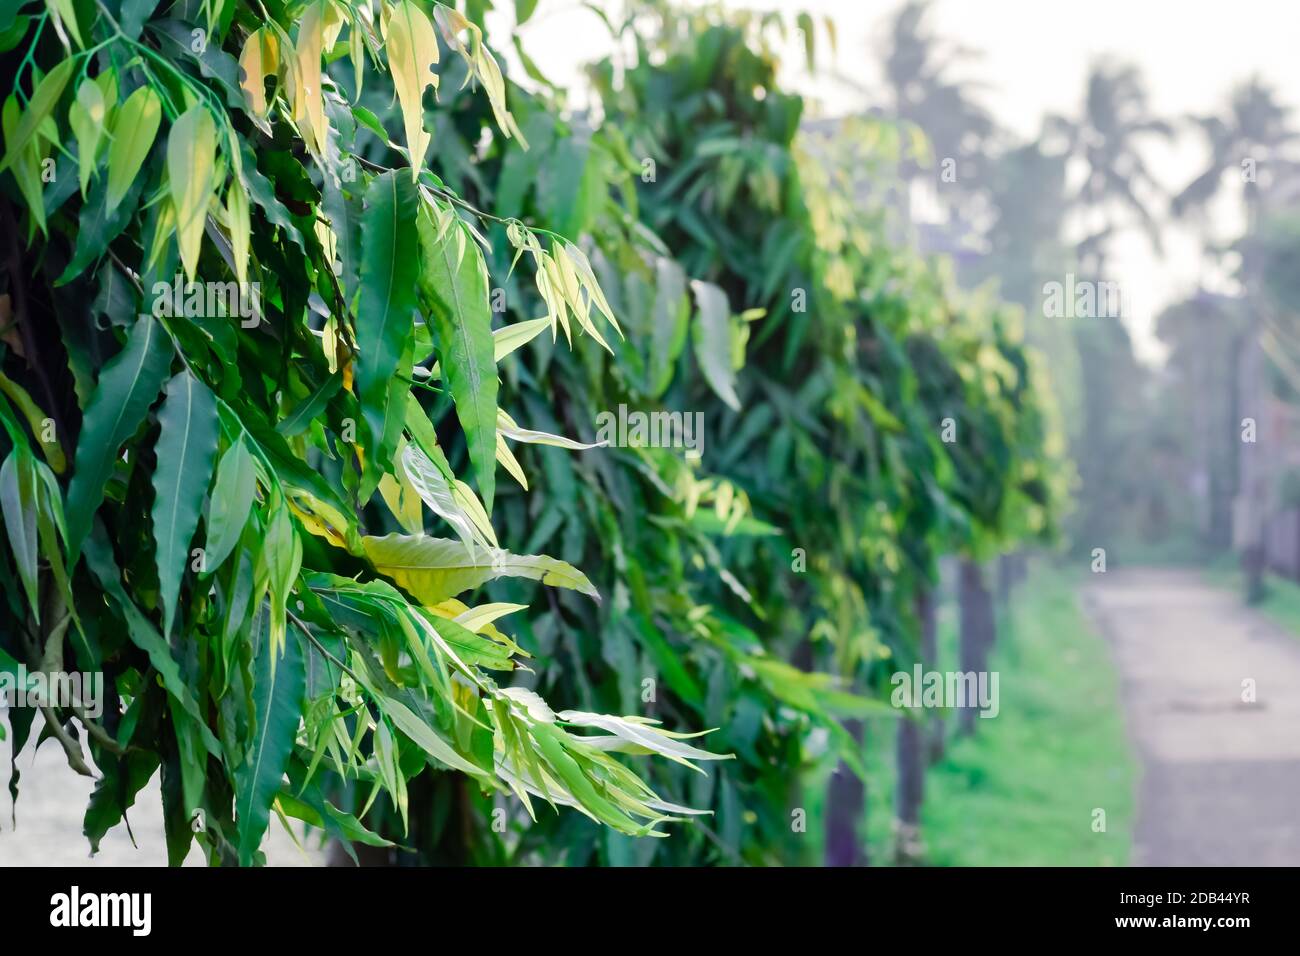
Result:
[1220,781]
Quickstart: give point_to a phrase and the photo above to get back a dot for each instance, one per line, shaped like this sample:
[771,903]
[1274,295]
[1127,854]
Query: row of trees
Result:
[256,522]
[1160,452]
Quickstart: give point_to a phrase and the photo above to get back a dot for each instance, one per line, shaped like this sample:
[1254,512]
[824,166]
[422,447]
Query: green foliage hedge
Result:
[257,522]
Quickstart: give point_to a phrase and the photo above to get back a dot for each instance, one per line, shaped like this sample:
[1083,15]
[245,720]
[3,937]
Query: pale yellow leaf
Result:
[412,53]
[191,166]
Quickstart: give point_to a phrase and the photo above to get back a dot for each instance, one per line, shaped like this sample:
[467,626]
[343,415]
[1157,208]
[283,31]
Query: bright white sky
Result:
[1036,56]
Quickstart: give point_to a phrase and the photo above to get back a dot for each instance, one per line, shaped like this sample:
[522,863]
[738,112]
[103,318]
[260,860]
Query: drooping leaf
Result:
[412,54]
[191,172]
[442,498]
[127,387]
[386,303]
[434,569]
[86,116]
[135,124]
[187,446]
[259,59]
[230,503]
[241,228]
[36,421]
[278,685]
[44,99]
[713,341]
[18,507]
[454,286]
[99,559]
[318,19]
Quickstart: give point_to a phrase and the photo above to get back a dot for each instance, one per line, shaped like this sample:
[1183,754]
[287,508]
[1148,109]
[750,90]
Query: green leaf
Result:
[86,117]
[134,127]
[434,569]
[127,387]
[389,272]
[316,811]
[99,559]
[18,506]
[424,736]
[36,417]
[134,15]
[186,448]
[44,99]
[300,419]
[523,10]
[668,331]
[454,284]
[278,688]
[98,226]
[230,503]
[713,341]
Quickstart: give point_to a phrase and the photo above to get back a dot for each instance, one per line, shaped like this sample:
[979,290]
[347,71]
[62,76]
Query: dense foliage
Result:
[224,509]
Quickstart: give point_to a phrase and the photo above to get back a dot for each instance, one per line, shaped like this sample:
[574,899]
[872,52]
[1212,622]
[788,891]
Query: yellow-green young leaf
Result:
[357,52]
[508,427]
[412,53]
[26,168]
[66,16]
[508,338]
[86,117]
[241,228]
[424,736]
[308,98]
[434,569]
[44,99]
[489,74]
[507,460]
[441,497]
[191,164]
[134,129]
[280,561]
[36,419]
[259,59]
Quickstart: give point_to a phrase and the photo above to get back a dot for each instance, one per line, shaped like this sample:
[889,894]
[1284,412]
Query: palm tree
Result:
[1251,139]
[1107,139]
[917,67]
[1116,192]
[923,94]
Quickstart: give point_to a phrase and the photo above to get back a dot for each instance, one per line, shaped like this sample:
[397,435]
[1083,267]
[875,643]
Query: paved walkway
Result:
[52,803]
[1220,783]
